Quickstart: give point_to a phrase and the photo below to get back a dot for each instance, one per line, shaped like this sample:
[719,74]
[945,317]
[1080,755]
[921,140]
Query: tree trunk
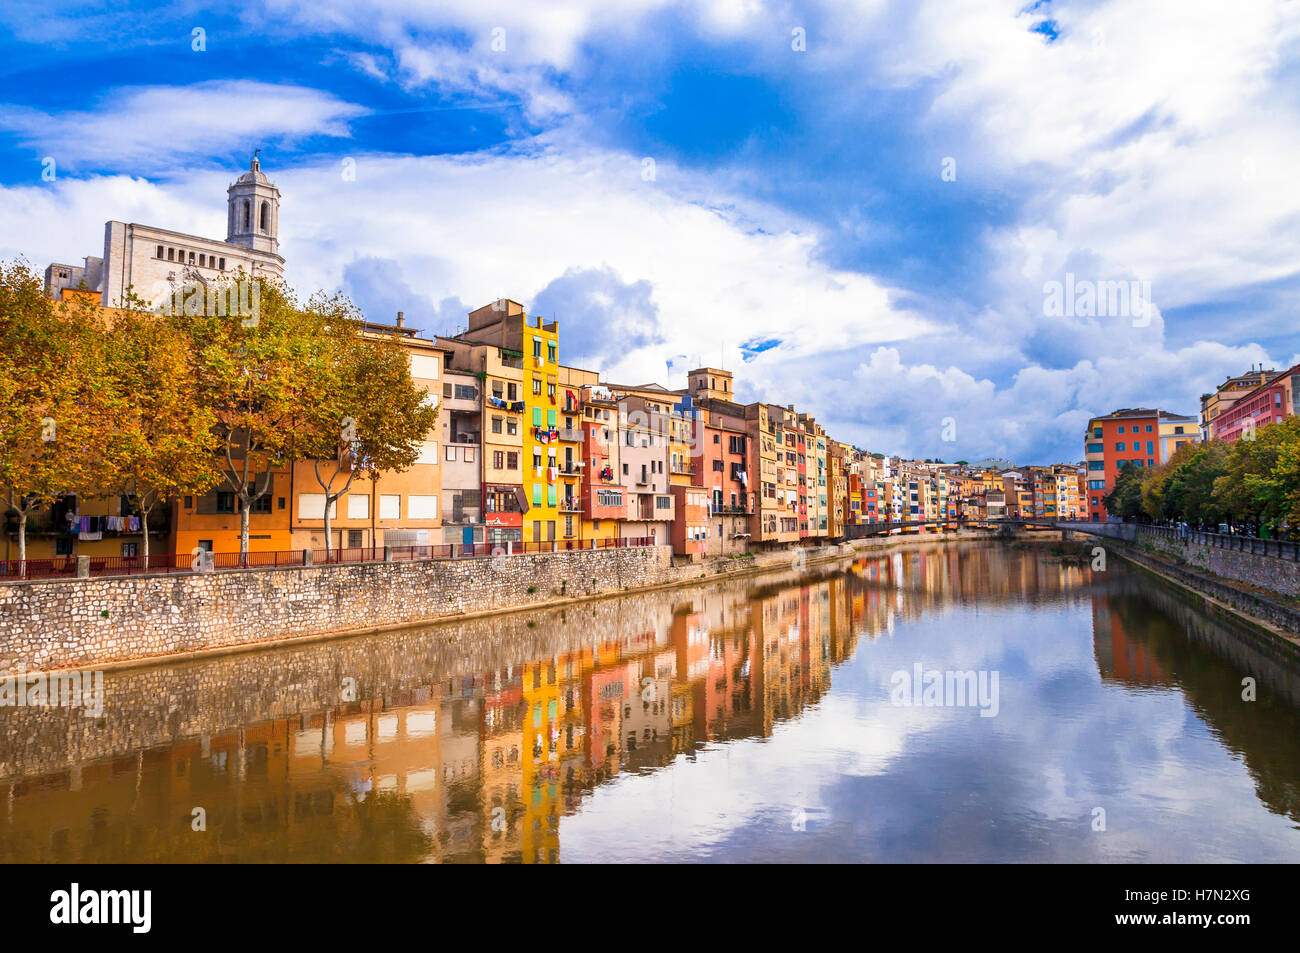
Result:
[144,537]
[22,543]
[327,527]
[244,508]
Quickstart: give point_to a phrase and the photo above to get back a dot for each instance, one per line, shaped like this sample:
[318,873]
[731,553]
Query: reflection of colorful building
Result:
[473,766]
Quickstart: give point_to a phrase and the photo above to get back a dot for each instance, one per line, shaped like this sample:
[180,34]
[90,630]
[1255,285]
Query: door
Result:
[467,536]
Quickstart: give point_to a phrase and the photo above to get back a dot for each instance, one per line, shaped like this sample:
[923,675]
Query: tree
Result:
[1125,497]
[161,444]
[52,406]
[263,376]
[1259,484]
[1189,493]
[371,417]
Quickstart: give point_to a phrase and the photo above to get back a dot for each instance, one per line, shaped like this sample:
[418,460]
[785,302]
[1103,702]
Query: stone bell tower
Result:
[253,210]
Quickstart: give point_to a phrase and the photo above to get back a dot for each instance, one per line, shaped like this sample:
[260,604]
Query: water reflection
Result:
[733,721]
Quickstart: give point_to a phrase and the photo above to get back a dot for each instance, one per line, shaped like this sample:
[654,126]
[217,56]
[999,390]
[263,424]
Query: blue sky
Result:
[855,206]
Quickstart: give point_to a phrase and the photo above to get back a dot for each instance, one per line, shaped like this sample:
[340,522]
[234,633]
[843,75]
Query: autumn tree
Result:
[162,443]
[262,375]
[371,417]
[52,406]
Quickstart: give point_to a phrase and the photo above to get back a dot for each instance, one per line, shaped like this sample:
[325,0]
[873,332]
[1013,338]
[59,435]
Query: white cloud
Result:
[153,129]
[720,271]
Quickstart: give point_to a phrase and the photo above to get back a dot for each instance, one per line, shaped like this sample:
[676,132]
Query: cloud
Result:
[155,129]
[639,270]
[603,317]
[796,223]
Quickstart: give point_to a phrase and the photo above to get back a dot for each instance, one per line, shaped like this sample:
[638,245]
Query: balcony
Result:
[733,511]
[571,435]
[570,505]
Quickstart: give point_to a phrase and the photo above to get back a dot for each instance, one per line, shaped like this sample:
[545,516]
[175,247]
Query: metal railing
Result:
[1277,548]
[65,567]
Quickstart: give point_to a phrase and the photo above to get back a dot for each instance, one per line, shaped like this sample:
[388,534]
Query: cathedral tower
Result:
[253,210]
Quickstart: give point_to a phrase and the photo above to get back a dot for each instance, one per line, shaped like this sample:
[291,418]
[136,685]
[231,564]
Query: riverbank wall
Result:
[1277,620]
[112,622]
[1254,568]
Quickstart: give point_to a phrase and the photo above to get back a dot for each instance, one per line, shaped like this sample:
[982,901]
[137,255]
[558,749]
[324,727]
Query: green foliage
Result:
[1253,482]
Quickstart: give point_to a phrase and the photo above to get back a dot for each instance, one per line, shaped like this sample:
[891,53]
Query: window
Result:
[537,347]
[512,427]
[160,251]
[265,222]
[496,424]
[469,454]
[451,453]
[498,460]
[1148,428]
[221,264]
[1121,428]
[311,506]
[358,507]
[129,550]
[422,365]
[1096,448]
[356,538]
[390,506]
[171,254]
[1176,429]
[537,387]
[550,392]
[225,501]
[512,391]
[512,460]
[1120,446]
[422,506]
[550,353]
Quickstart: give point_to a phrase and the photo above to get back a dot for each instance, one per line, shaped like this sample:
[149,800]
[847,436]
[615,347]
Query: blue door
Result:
[467,536]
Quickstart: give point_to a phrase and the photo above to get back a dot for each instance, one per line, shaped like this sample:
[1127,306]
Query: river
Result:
[980,702]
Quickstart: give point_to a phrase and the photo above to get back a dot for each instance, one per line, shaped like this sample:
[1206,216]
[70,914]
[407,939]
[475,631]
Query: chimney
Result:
[401,319]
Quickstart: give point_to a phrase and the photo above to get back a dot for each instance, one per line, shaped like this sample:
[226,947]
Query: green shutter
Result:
[550,417]
[537,416]
[550,496]
[537,494]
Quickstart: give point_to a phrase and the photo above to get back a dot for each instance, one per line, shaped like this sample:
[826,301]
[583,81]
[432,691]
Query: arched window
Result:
[266,217]
[247,214]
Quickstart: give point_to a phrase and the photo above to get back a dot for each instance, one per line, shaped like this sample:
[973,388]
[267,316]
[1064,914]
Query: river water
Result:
[960,702]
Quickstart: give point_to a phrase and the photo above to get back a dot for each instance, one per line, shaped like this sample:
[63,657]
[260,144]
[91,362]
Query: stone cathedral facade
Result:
[153,261]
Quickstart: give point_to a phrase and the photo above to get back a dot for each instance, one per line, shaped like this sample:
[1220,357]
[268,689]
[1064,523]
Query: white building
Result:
[152,261]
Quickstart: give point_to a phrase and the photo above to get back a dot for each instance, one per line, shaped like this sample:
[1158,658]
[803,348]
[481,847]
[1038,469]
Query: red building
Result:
[1269,403]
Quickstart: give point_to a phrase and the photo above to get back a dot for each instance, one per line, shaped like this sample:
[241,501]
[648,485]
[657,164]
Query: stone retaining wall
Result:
[79,623]
[1280,575]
